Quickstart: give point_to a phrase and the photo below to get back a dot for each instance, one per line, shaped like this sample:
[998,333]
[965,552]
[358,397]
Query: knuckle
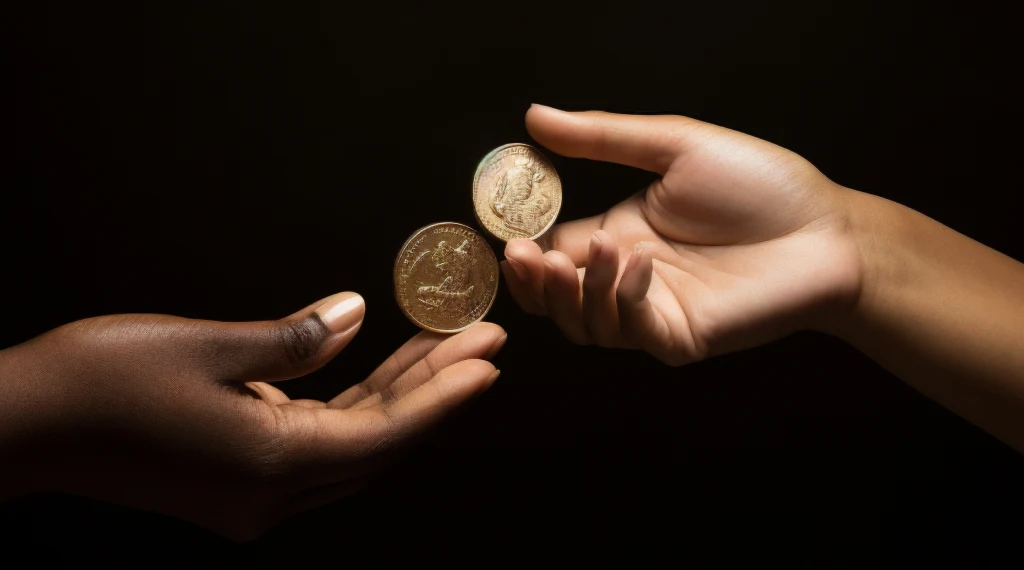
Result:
[385,437]
[300,341]
[682,131]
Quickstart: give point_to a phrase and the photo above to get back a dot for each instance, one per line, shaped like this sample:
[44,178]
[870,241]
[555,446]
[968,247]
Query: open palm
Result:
[739,242]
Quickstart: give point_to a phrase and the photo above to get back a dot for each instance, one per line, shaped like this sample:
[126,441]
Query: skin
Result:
[740,242]
[181,416]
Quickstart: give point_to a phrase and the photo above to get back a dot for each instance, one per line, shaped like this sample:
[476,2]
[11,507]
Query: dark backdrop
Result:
[239,160]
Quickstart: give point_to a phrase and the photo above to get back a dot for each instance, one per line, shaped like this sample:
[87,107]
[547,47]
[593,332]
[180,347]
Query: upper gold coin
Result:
[516,192]
[446,277]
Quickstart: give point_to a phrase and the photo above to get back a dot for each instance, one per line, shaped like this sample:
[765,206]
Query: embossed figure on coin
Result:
[518,199]
[454,294]
[516,192]
[442,286]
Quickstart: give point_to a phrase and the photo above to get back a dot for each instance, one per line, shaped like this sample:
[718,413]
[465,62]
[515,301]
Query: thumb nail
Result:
[342,311]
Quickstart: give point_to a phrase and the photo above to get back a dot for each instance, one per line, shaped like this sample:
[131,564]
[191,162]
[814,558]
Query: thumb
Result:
[650,142]
[290,347]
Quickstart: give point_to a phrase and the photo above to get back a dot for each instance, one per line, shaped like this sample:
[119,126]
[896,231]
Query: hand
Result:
[738,243]
[178,416]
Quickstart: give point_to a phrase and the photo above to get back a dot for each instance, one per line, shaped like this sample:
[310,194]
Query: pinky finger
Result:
[638,319]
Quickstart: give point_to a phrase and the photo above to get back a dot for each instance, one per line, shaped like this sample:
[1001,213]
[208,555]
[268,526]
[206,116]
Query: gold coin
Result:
[446,277]
[516,192]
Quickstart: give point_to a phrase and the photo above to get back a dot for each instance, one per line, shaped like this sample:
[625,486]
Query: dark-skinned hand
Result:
[182,416]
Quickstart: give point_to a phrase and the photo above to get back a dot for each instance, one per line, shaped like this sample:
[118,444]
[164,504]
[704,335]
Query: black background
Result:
[239,160]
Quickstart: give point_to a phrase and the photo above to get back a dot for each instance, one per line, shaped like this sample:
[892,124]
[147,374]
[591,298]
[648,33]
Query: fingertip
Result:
[646,260]
[631,262]
[509,272]
[558,268]
[538,109]
[603,253]
[562,296]
[542,122]
[490,328]
[468,377]
[521,289]
[595,247]
[492,332]
[521,249]
[517,268]
[603,236]
[557,259]
[492,379]
[636,277]
[499,343]
[342,312]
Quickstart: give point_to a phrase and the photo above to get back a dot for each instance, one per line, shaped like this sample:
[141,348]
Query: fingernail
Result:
[497,346]
[539,106]
[518,268]
[494,377]
[634,257]
[595,245]
[342,311]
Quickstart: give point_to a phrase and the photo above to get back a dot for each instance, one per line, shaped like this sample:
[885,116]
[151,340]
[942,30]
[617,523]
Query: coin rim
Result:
[395,272]
[476,180]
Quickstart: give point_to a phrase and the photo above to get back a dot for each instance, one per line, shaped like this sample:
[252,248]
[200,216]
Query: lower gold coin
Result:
[446,277]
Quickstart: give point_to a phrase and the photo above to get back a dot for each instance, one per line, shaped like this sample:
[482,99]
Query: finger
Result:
[308,403]
[268,393]
[481,341]
[287,348]
[401,360]
[572,238]
[275,397]
[527,261]
[599,309]
[562,296]
[426,405]
[639,321]
[642,141]
[520,290]
[332,444]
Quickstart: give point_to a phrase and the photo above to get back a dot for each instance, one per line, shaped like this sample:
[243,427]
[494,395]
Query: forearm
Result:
[33,408]
[943,312]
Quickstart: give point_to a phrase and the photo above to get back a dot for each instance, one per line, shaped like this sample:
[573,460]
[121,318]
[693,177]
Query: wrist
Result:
[876,230]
